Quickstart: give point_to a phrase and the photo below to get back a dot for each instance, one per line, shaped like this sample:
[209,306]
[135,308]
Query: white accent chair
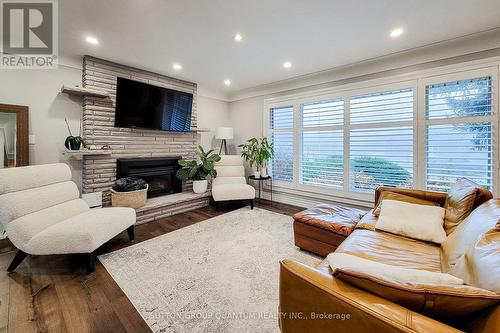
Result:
[42,213]
[230,183]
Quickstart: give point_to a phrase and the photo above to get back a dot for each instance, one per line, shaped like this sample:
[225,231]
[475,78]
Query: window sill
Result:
[307,196]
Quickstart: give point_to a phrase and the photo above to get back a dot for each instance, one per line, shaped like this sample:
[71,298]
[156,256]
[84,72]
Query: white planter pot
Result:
[200,186]
[263,172]
[256,174]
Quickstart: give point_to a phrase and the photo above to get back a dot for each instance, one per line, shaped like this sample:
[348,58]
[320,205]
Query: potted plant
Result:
[258,152]
[199,171]
[73,142]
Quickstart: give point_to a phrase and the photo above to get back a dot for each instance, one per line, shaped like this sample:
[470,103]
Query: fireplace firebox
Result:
[159,173]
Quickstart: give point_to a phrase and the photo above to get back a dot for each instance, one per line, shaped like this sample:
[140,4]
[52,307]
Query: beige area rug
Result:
[219,275]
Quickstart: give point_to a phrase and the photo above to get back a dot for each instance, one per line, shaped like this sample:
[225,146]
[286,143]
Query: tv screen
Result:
[142,105]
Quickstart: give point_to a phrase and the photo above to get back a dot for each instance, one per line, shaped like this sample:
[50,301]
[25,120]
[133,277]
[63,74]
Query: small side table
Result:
[261,181]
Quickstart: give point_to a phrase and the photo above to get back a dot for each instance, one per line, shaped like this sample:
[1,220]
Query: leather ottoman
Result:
[322,228]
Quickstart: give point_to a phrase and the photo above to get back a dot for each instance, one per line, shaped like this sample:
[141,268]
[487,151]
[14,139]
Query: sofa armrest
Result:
[437,197]
[314,301]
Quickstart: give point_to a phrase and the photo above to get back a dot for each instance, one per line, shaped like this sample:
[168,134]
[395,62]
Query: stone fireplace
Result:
[158,173]
[129,147]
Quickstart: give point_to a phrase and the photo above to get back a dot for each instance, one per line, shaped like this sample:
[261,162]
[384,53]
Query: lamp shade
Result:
[224,133]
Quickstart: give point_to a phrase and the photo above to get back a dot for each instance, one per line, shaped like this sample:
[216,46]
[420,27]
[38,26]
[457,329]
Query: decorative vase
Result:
[256,174]
[200,186]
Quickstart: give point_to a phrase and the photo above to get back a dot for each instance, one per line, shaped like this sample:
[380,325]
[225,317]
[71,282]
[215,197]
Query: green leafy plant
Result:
[257,152]
[198,170]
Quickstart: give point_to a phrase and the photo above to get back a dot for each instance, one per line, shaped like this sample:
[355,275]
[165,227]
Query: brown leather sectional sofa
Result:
[315,299]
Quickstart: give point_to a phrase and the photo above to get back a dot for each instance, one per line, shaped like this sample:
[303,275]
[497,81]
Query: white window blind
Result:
[459,133]
[281,135]
[381,140]
[322,144]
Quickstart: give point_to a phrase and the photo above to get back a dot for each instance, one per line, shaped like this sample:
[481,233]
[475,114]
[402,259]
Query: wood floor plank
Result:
[5,260]
[53,293]
[22,317]
[47,306]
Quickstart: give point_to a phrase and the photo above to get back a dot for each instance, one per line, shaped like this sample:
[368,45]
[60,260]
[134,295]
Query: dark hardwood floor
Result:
[53,293]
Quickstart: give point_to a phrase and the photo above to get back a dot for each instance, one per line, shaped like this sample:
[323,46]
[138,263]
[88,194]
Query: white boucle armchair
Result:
[230,183]
[42,213]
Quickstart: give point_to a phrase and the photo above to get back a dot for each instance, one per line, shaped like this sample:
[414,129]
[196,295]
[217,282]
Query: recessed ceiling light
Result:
[287,64]
[92,40]
[238,37]
[177,67]
[397,32]
[227,82]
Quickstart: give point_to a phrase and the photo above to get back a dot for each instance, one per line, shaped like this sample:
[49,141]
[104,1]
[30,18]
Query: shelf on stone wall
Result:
[200,129]
[78,154]
[80,91]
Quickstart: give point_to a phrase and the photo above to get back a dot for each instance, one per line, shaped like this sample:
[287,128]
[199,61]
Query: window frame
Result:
[494,119]
[416,81]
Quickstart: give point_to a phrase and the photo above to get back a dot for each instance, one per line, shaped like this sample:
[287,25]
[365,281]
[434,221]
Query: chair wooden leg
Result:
[20,255]
[90,262]
[131,234]
[217,206]
[251,204]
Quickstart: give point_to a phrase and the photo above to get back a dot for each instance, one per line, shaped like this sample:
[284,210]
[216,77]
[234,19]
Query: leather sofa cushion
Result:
[437,197]
[368,221]
[467,233]
[370,267]
[461,200]
[389,195]
[435,300]
[337,219]
[392,250]
[480,266]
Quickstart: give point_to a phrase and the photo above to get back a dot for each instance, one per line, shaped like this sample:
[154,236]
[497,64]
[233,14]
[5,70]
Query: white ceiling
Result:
[314,35]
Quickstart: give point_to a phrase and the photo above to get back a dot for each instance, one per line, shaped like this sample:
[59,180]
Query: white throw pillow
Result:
[412,220]
[347,261]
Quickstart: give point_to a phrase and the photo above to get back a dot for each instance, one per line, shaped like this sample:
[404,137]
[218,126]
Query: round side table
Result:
[261,181]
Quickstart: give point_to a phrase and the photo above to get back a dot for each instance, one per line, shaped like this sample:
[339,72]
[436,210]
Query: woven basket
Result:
[132,199]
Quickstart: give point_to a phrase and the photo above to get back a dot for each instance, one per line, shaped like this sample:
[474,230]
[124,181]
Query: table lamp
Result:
[223,133]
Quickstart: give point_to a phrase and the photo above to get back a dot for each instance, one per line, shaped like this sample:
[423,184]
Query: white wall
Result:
[212,113]
[40,91]
[246,118]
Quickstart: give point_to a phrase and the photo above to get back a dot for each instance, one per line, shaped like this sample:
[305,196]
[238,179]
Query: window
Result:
[322,144]
[458,133]
[381,140]
[346,142]
[281,135]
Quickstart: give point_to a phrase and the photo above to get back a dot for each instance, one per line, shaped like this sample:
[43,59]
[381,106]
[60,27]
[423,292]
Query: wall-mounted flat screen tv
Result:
[143,105]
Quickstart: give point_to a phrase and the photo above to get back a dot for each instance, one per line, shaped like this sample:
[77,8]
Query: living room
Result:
[233,166]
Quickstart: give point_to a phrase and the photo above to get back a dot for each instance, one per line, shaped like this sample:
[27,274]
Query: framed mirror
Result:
[14,132]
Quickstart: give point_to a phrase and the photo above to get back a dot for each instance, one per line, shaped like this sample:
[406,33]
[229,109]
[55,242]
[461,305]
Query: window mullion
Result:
[347,129]
[297,143]
[420,143]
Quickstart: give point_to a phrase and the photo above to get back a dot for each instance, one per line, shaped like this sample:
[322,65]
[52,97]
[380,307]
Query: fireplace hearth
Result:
[159,173]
